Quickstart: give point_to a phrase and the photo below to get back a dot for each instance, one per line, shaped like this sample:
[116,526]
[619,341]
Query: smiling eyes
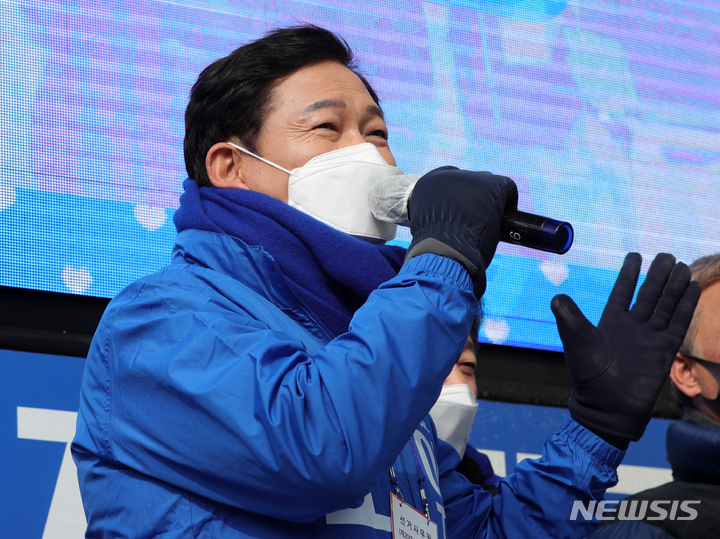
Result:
[377,133]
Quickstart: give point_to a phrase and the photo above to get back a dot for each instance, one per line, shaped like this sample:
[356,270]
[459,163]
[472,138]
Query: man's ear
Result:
[682,373]
[223,166]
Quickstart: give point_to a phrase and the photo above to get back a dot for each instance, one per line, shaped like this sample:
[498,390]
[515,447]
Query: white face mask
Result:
[453,415]
[335,188]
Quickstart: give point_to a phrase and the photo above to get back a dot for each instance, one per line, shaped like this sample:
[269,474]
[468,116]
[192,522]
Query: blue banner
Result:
[38,408]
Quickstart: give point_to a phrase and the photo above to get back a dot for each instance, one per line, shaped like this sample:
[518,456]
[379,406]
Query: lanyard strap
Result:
[421,480]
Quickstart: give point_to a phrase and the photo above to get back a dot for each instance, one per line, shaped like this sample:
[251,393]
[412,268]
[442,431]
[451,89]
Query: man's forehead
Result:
[318,84]
[708,333]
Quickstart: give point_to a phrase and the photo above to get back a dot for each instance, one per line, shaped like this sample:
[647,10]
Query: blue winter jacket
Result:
[214,404]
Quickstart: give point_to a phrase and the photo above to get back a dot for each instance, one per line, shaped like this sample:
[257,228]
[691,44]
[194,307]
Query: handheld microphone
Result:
[536,232]
[389,199]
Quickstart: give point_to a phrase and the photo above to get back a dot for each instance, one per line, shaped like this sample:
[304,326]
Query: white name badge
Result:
[409,523]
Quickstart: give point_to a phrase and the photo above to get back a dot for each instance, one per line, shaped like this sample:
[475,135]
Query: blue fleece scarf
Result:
[332,273]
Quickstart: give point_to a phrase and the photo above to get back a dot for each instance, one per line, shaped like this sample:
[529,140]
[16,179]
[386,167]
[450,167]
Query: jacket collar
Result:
[250,265]
[694,452]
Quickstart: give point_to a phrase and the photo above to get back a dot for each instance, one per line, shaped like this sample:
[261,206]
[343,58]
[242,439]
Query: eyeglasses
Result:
[712,366]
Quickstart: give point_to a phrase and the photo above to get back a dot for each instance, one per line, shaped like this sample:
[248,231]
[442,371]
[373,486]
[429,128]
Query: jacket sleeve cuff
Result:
[439,267]
[595,447]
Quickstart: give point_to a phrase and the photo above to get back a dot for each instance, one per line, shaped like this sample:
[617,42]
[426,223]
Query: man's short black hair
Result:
[233,95]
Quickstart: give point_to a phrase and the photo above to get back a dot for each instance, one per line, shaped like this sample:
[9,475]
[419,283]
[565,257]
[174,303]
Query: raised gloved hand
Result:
[619,367]
[457,214]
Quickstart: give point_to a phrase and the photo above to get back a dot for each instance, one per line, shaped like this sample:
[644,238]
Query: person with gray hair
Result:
[693,444]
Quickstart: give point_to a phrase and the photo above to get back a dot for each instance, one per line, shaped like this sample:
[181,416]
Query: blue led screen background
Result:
[606,114]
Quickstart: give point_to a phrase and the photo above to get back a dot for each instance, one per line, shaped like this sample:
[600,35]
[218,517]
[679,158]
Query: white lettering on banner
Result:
[519,457]
[633,479]
[364,515]
[430,465]
[66,518]
[441,510]
[497,461]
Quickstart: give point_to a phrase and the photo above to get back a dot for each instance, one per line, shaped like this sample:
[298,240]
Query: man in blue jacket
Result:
[275,379]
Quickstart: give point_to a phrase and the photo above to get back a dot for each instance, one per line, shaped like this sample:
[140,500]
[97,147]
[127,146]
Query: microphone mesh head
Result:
[389,197]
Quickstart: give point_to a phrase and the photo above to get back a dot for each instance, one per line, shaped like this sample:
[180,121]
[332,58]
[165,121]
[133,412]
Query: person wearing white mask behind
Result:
[274,380]
[455,410]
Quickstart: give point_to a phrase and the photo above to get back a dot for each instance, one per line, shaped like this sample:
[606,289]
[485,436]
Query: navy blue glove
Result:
[457,214]
[620,366]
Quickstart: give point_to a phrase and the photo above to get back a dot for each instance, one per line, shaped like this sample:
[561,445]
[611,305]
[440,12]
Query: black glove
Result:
[457,214]
[620,366]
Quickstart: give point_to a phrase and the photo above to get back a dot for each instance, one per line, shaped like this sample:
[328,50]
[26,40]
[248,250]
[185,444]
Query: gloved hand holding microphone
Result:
[457,214]
[618,367]
[480,200]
